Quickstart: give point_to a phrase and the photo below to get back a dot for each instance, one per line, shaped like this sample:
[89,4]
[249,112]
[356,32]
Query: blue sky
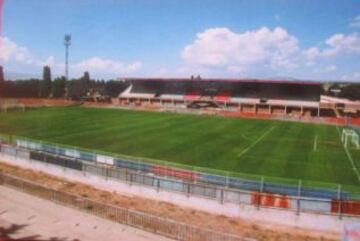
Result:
[307,39]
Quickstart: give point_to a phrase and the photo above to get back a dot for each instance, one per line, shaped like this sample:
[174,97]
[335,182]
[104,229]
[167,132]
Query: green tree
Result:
[45,86]
[58,87]
[2,78]
[85,82]
[351,91]
[78,88]
[113,88]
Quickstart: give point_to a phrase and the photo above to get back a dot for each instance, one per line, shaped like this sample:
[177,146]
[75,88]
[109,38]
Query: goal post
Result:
[11,105]
[350,138]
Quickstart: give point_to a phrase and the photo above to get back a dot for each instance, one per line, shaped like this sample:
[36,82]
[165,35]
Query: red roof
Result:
[265,81]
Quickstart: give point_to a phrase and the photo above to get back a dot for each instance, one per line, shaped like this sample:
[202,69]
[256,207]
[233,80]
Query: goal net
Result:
[350,138]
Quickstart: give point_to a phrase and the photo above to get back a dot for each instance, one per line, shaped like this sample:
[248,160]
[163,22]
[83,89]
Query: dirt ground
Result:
[259,231]
[38,102]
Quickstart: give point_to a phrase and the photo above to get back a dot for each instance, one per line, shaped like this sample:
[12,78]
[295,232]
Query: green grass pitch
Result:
[276,149]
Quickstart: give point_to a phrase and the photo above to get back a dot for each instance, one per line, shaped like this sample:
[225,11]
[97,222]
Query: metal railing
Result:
[220,194]
[162,226]
[283,186]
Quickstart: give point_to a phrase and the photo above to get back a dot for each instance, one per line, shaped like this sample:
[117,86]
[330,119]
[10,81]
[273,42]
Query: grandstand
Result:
[292,98]
[255,96]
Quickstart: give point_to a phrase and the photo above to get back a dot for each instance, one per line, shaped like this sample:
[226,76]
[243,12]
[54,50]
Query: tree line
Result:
[349,91]
[60,87]
[77,88]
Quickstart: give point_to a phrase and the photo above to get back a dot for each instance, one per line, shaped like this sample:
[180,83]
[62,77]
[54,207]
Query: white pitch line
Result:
[337,128]
[315,142]
[352,163]
[350,157]
[255,142]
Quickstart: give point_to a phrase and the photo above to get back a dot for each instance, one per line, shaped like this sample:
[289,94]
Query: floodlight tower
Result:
[1,9]
[67,43]
[1,40]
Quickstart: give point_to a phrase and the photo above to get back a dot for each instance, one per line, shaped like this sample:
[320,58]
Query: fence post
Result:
[29,150]
[84,168]
[227,179]
[128,217]
[262,184]
[16,151]
[157,184]
[340,204]
[1,178]
[221,195]
[138,164]
[166,169]
[106,173]
[56,150]
[260,193]
[188,190]
[53,196]
[298,197]
[126,177]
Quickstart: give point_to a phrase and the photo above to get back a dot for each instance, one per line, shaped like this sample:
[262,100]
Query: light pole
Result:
[1,68]
[67,43]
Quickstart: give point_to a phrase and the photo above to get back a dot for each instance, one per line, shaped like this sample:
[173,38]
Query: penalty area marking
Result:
[255,142]
[349,157]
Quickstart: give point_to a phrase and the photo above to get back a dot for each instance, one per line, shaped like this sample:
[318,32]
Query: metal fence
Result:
[154,224]
[297,203]
[281,186]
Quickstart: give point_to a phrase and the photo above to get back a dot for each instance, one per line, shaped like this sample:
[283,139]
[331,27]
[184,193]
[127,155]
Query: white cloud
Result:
[99,65]
[50,61]
[337,44]
[326,69]
[236,69]
[10,51]
[352,77]
[14,53]
[222,52]
[222,48]
[310,63]
[186,71]
[312,53]
[342,44]
[355,22]
[161,73]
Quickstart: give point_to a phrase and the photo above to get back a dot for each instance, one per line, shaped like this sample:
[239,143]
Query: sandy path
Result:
[42,220]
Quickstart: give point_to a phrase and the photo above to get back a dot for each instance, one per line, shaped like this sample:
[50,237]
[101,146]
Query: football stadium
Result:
[276,143]
[275,146]
[179,120]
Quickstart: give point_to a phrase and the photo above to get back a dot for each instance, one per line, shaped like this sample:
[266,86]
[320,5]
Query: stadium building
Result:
[295,98]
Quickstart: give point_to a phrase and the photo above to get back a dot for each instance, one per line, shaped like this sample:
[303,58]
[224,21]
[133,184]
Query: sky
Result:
[300,39]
